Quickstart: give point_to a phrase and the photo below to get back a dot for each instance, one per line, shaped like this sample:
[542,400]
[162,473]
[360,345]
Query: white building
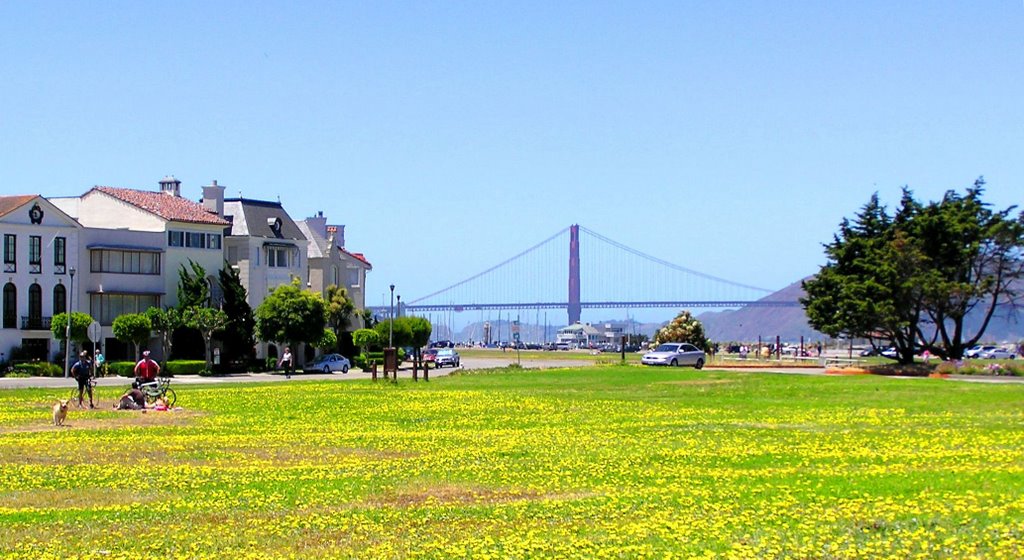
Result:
[41,248]
[135,242]
[579,335]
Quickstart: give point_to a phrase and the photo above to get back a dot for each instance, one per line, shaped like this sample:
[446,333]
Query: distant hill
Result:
[790,323]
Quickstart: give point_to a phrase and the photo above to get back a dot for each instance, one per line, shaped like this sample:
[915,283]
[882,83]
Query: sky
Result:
[726,137]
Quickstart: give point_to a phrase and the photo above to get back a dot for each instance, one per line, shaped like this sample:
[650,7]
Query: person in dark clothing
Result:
[82,372]
[132,399]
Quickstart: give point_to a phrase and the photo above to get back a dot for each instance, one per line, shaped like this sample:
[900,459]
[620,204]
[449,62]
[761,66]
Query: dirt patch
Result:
[113,420]
[463,495]
[74,499]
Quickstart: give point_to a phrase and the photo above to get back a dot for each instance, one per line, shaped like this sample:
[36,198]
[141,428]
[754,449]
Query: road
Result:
[472,363]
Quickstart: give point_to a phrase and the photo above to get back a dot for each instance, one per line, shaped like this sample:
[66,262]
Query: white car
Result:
[997,354]
[329,363]
[976,351]
[674,354]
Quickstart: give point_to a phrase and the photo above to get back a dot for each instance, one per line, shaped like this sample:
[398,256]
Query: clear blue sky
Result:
[729,137]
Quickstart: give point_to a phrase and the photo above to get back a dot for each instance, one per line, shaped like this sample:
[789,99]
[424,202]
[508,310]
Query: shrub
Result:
[38,369]
[982,367]
[366,360]
[123,369]
[184,367]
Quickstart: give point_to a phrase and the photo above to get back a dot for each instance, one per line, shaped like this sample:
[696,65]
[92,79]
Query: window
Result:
[353,277]
[125,262]
[60,299]
[277,257]
[10,252]
[213,241]
[195,240]
[175,239]
[60,249]
[107,307]
[35,306]
[35,254]
[10,306]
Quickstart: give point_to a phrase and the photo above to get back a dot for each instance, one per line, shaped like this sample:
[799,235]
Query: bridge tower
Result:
[574,274]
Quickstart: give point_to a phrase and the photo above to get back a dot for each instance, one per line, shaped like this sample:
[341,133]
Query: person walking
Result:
[287,362]
[146,370]
[82,372]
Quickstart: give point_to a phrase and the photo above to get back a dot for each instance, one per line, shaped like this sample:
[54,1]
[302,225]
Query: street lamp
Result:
[391,322]
[67,333]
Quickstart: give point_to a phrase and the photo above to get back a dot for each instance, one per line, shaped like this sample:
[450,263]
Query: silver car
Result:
[675,354]
[446,357]
[997,354]
[329,363]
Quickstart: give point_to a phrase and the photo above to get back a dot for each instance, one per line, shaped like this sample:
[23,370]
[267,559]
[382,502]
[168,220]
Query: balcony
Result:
[34,323]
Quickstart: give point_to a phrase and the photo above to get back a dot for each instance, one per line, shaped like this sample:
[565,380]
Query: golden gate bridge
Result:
[601,274]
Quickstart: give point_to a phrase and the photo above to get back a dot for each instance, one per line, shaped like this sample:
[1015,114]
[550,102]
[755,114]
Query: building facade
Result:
[40,251]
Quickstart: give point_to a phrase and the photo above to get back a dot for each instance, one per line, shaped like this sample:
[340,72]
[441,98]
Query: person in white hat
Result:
[146,370]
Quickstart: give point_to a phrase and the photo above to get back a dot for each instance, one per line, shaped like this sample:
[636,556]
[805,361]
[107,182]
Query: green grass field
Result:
[606,462]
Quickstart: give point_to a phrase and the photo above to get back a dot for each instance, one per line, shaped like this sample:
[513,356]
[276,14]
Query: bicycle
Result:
[90,387]
[158,389]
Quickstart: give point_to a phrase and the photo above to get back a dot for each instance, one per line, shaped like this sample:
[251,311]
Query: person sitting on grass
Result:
[132,399]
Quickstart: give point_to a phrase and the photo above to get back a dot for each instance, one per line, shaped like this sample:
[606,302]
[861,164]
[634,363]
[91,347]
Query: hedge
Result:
[173,367]
[39,369]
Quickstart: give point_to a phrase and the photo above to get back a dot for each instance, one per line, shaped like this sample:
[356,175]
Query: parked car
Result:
[869,351]
[446,357]
[329,363]
[429,355]
[890,352]
[978,350]
[675,354]
[997,354]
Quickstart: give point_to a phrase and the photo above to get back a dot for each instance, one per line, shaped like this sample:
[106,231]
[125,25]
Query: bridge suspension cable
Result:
[673,266]
[492,269]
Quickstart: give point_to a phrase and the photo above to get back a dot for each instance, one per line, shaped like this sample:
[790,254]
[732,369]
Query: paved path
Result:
[406,373]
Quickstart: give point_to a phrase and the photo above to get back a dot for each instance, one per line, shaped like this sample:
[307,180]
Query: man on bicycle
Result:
[146,370]
[82,372]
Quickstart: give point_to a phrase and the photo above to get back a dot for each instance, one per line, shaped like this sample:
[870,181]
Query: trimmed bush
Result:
[123,369]
[364,361]
[39,369]
[184,367]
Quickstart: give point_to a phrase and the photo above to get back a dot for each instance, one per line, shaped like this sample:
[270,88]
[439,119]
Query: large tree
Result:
[292,316]
[239,334]
[206,320]
[165,322]
[193,287]
[911,278]
[340,309]
[975,263]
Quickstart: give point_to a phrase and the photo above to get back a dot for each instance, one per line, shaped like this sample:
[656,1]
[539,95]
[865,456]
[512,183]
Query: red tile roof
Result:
[11,203]
[357,256]
[166,206]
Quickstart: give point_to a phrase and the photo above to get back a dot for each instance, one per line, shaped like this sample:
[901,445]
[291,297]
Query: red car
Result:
[429,355]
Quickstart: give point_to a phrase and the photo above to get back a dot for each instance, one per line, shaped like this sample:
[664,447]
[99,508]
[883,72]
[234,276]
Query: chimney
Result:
[318,224]
[213,198]
[338,235]
[170,185]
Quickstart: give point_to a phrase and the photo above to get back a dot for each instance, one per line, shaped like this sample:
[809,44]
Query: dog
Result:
[60,412]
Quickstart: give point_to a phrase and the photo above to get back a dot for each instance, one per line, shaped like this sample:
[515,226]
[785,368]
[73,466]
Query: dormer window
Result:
[275,226]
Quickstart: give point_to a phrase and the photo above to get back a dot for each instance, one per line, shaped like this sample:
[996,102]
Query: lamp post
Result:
[391,322]
[67,333]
